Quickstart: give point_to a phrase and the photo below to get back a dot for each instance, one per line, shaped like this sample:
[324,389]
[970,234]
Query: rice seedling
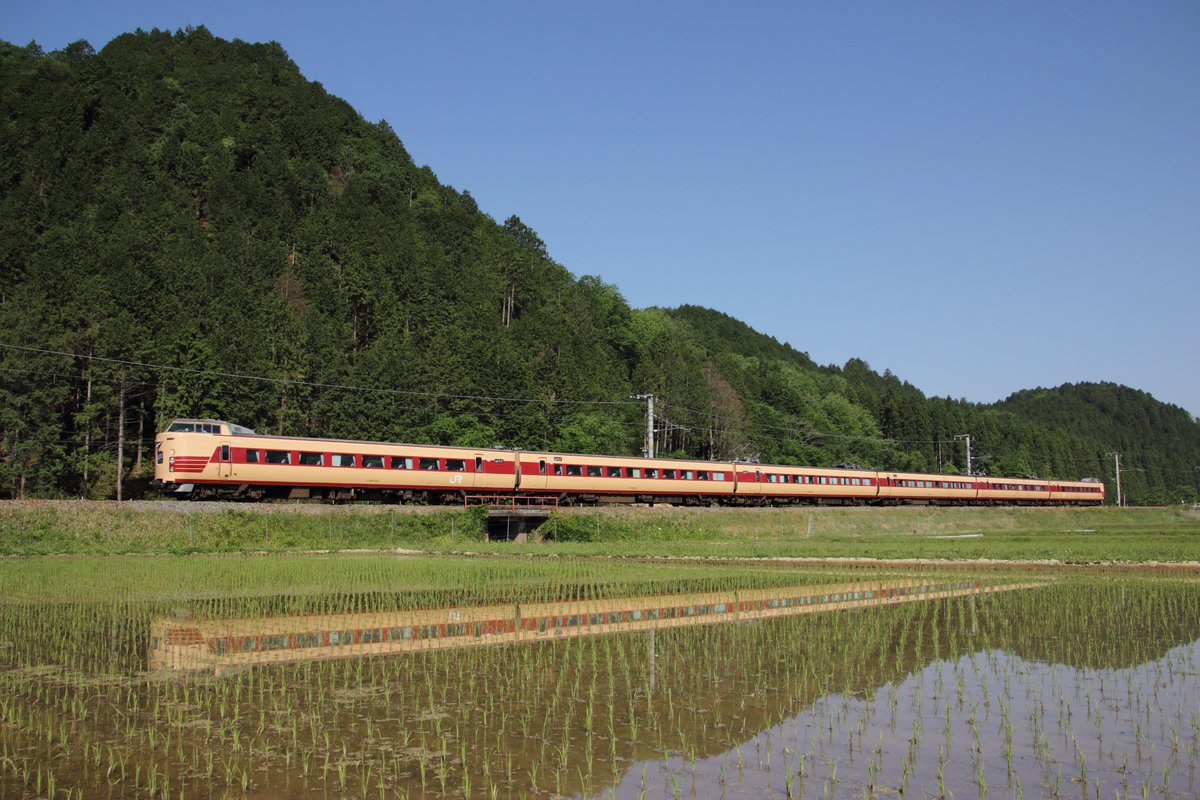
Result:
[951,691]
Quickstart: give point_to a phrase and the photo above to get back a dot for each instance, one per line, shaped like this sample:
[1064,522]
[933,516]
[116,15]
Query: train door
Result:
[532,471]
[225,461]
[475,477]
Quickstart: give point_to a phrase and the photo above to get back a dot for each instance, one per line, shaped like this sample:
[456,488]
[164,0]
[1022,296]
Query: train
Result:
[214,459]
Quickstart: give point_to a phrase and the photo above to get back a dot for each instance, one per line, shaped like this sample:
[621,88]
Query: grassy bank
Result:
[1072,535]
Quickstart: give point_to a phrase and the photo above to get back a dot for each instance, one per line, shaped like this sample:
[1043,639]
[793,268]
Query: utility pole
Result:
[649,398]
[1117,462]
[121,439]
[967,437]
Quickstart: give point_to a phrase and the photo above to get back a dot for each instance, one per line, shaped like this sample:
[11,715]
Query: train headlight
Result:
[171,464]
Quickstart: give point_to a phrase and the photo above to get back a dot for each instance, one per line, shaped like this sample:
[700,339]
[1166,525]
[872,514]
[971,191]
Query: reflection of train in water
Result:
[224,644]
[213,459]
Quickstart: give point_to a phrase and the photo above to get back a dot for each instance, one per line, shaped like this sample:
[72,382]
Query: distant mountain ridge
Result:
[189,227]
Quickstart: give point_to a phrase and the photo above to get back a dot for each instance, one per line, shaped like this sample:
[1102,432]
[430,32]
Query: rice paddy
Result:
[980,682]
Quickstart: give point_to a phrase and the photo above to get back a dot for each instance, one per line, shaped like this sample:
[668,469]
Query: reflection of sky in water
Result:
[1121,732]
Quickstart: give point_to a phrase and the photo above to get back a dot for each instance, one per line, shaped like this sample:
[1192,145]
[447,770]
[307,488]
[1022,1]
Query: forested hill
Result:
[188,227]
[1162,439]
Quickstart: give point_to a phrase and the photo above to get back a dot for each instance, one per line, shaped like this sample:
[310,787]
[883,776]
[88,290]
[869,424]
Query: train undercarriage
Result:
[252,493]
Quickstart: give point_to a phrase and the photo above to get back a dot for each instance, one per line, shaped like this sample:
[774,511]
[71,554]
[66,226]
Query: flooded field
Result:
[118,678]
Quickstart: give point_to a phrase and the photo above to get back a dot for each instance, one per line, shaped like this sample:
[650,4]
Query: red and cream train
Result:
[205,458]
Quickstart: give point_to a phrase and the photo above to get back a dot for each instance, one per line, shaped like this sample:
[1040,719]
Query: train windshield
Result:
[207,426]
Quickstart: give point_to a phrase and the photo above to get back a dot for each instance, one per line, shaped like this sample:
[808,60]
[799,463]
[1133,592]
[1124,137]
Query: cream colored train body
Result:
[206,458]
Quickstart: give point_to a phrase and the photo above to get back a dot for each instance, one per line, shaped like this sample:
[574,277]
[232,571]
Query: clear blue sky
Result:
[981,197]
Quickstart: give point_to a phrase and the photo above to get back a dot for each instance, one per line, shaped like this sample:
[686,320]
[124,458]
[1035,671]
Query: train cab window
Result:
[718,476]
[633,472]
[312,459]
[251,456]
[430,464]
[574,470]
[400,462]
[651,472]
[341,460]
[595,472]
[456,465]
[373,462]
[669,474]
[279,457]
[613,472]
[180,427]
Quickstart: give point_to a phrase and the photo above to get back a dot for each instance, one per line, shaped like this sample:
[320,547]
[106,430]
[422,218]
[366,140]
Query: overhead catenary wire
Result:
[316,384]
[808,432]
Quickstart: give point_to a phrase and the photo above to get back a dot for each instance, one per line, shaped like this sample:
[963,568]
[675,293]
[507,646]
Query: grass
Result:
[1077,536]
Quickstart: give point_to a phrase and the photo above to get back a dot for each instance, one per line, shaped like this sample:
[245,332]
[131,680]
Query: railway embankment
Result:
[1083,535]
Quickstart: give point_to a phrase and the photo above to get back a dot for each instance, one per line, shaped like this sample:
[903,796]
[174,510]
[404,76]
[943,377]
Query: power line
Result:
[314,384]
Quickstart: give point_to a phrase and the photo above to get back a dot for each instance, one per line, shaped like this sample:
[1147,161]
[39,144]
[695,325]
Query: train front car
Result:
[198,459]
[188,454]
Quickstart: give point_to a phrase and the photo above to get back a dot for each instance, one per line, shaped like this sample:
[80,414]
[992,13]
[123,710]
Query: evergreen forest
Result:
[190,228]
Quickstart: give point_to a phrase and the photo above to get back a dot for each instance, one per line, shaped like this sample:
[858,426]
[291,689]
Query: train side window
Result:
[312,459]
[614,472]
[225,453]
[341,460]
[558,469]
[856,482]
[595,472]
[867,482]
[702,475]
[687,474]
[251,456]
[430,464]
[373,462]
[574,470]
[633,472]
[718,476]
[772,479]
[279,457]
[823,480]
[456,465]
[479,463]
[669,474]
[651,472]
[542,467]
[400,462]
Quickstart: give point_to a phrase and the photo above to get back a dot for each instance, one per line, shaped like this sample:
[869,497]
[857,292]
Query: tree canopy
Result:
[189,227]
